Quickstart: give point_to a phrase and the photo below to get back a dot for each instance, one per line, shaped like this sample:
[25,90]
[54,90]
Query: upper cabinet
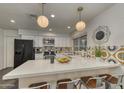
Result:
[63,42]
[37,40]
[59,41]
[40,41]
[38,37]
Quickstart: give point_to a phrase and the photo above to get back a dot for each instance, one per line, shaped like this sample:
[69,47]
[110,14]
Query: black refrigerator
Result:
[23,51]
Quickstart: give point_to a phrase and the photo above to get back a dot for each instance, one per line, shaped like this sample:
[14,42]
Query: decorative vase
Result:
[98,58]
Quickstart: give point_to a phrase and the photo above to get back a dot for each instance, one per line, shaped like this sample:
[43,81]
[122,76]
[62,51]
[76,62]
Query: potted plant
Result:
[98,52]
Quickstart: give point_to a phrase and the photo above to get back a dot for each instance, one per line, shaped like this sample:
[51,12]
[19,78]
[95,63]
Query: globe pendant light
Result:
[42,20]
[80,25]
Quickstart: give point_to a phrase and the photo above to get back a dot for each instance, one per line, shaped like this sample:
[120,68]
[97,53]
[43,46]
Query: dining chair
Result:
[40,85]
[91,82]
[67,84]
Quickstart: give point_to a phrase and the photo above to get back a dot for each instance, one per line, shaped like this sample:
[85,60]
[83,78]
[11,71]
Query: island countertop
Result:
[44,67]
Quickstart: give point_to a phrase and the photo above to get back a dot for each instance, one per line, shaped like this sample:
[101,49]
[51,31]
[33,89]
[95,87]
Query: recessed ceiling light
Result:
[52,15]
[50,29]
[68,27]
[12,21]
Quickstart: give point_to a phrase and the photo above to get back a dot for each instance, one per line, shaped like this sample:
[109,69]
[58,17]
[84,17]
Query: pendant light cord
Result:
[79,15]
[80,9]
[42,8]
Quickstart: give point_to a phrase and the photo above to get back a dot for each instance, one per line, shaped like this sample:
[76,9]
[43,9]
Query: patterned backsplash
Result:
[109,53]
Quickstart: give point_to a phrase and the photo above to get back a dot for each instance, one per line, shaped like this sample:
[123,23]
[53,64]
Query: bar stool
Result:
[92,82]
[107,85]
[40,85]
[67,84]
[107,76]
[116,80]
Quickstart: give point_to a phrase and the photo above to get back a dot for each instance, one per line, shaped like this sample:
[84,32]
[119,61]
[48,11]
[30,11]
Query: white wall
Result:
[9,36]
[114,18]
[1,49]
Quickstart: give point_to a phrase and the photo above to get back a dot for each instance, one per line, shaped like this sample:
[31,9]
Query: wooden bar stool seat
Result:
[68,84]
[110,78]
[116,80]
[107,76]
[40,85]
[92,82]
[63,84]
[86,78]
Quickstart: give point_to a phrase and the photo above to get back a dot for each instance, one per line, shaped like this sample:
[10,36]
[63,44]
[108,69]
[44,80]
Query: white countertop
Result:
[44,67]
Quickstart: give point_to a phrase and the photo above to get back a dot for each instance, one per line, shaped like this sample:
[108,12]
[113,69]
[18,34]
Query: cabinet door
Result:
[40,41]
[69,42]
[36,41]
[64,42]
[10,51]
[26,37]
[57,42]
[61,42]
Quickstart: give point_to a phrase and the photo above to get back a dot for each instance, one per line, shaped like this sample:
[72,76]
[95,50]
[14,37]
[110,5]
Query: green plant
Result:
[98,52]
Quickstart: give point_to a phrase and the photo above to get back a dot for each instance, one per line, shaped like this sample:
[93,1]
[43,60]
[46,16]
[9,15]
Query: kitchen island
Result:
[34,71]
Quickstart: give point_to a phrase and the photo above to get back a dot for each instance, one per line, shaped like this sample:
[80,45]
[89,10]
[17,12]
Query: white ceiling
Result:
[65,15]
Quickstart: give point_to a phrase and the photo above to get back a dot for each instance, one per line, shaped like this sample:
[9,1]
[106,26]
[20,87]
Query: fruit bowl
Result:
[63,59]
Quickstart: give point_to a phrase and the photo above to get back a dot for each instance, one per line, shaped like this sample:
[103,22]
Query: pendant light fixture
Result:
[42,20]
[80,25]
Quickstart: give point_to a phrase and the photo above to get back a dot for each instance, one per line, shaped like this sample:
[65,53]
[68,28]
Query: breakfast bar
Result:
[34,71]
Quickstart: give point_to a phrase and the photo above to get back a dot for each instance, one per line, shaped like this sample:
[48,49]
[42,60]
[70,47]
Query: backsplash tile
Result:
[113,53]
[110,54]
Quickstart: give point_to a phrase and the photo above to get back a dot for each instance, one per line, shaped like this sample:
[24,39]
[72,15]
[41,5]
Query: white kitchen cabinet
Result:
[69,42]
[40,41]
[37,40]
[63,42]
[29,37]
[10,49]
[57,41]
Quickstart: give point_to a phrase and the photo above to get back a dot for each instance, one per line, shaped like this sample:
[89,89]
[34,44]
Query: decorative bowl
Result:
[65,59]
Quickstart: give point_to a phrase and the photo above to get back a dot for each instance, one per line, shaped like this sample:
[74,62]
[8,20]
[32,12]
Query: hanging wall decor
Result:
[101,35]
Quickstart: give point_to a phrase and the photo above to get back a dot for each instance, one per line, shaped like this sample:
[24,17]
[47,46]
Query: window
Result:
[80,43]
